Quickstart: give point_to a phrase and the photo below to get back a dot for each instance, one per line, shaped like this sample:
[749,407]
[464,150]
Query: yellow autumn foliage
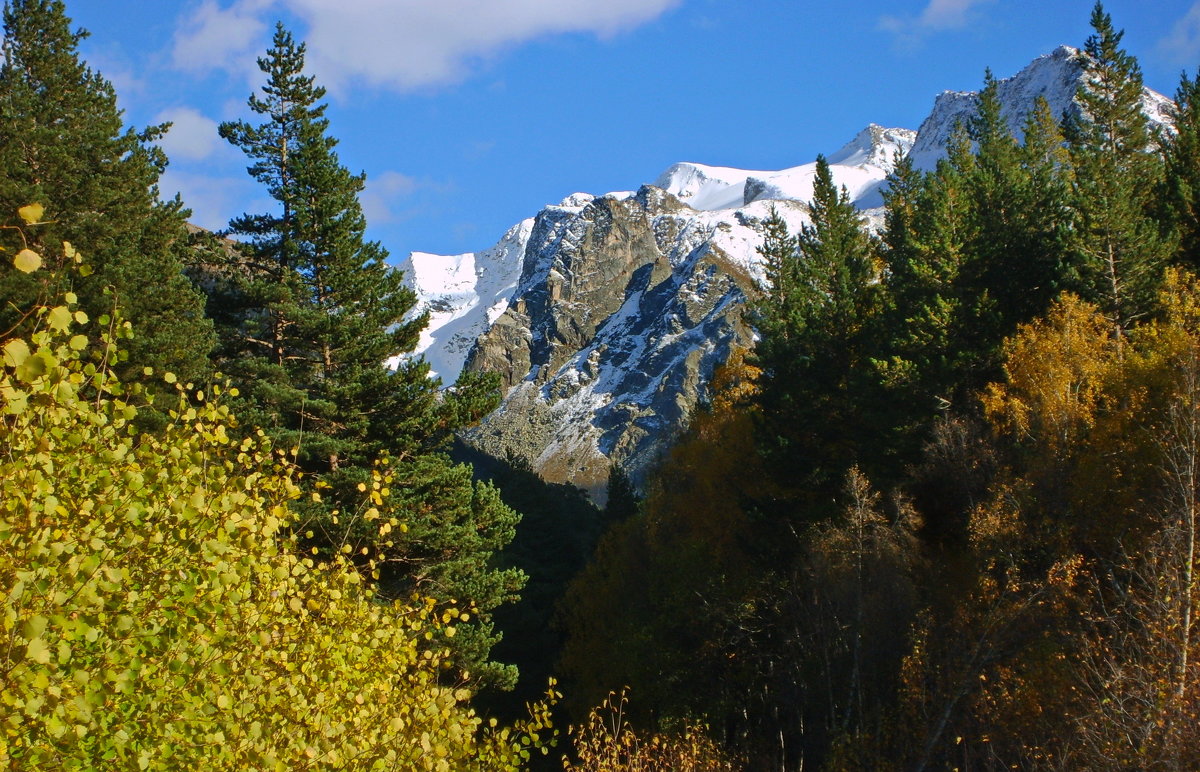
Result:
[606,742]
[1055,370]
[152,616]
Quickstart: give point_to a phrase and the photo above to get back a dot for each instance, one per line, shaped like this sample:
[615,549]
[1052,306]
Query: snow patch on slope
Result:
[464,294]
[861,166]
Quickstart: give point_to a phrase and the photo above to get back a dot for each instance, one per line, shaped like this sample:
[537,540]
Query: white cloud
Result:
[192,136]
[946,14]
[406,44]
[400,44]
[212,199]
[384,190]
[1182,43]
[215,37]
[938,15]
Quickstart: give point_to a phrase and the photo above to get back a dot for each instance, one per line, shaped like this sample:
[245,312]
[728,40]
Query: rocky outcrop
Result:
[624,308]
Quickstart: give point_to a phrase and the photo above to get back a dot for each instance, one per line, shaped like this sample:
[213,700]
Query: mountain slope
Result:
[625,308]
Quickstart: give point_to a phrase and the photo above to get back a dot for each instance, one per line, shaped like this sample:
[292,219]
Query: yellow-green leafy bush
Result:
[153,618]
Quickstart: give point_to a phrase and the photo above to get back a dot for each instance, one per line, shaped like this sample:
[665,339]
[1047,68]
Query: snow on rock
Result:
[464,295]
[1056,77]
[861,166]
[875,146]
[705,187]
[622,312]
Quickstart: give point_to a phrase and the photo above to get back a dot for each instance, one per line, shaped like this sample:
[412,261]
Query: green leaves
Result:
[59,318]
[38,651]
[16,351]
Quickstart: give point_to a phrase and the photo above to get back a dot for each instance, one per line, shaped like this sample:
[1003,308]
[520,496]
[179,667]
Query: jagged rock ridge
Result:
[625,308]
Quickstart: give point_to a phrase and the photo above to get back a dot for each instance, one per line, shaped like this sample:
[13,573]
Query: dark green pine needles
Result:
[1121,247]
[313,326]
[63,145]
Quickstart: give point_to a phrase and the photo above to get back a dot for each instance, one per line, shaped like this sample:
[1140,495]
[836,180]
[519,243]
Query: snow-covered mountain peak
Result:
[1055,76]
[875,146]
[576,201]
[861,165]
[701,186]
[464,295]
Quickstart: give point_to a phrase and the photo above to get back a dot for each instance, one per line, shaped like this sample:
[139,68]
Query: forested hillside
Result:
[942,515]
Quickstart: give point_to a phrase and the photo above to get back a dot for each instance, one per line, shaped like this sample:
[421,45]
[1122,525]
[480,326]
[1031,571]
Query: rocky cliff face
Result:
[606,316]
[625,307]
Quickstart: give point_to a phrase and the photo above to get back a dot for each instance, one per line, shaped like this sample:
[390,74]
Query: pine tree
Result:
[327,311]
[310,317]
[1016,260]
[812,350]
[1121,249]
[990,282]
[925,244]
[1045,215]
[778,314]
[1181,154]
[63,145]
[837,257]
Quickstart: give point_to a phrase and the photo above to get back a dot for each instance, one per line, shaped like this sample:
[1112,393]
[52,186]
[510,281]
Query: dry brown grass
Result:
[607,743]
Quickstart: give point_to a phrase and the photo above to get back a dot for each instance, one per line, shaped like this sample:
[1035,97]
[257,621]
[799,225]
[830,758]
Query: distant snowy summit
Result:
[862,166]
[1055,76]
[465,294]
[606,316]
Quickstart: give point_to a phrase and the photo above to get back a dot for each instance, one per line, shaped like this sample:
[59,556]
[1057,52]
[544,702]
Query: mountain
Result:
[1055,76]
[861,166]
[607,315]
[466,294]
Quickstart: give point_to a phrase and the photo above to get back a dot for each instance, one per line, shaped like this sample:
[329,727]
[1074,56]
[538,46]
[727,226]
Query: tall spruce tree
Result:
[991,282]
[900,330]
[779,317]
[63,145]
[328,309]
[823,291]
[1045,216]
[925,244]
[1120,244]
[310,315]
[1181,153]
[1017,258]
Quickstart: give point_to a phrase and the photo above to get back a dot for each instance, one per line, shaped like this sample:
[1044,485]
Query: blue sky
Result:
[469,115]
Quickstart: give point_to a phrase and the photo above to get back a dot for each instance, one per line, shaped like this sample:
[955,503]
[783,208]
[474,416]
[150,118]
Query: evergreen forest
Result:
[943,515]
